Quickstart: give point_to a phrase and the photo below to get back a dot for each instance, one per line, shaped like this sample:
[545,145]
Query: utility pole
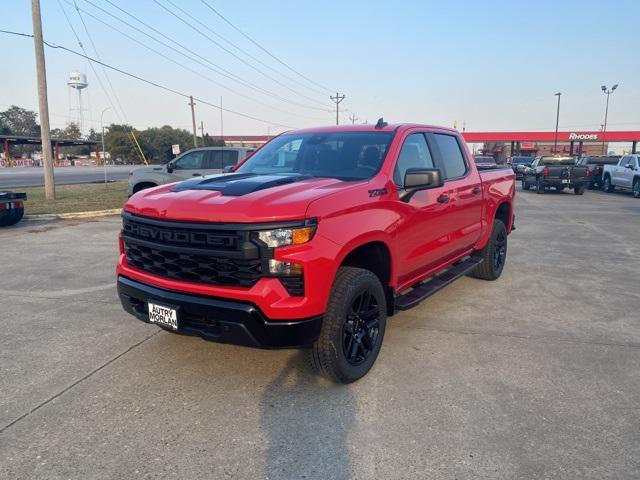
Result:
[193,120]
[43,103]
[607,92]
[353,118]
[555,138]
[337,99]
[202,133]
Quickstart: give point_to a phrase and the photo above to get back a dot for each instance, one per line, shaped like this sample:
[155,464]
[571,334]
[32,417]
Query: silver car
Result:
[192,163]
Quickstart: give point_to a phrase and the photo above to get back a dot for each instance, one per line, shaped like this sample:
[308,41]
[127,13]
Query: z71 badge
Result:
[376,192]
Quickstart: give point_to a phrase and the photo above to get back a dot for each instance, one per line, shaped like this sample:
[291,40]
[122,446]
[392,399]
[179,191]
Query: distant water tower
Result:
[77,82]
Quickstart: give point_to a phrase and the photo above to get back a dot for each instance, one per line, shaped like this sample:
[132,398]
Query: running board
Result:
[427,288]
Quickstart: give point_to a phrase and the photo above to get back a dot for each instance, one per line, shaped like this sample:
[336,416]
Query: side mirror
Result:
[170,167]
[629,166]
[228,169]
[416,179]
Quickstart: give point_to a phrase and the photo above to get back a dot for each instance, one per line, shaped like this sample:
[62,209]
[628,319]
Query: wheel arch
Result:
[143,185]
[375,256]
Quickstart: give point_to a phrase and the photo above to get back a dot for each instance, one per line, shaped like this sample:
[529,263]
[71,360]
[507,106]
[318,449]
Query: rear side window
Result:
[414,154]
[452,158]
[219,159]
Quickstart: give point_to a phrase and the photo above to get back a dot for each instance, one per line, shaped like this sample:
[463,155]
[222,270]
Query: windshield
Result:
[343,155]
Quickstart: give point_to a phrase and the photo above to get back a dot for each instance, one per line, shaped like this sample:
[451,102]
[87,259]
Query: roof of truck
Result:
[391,127]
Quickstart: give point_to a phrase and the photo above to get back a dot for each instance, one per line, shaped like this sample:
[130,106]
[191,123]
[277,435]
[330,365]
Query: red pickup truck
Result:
[315,240]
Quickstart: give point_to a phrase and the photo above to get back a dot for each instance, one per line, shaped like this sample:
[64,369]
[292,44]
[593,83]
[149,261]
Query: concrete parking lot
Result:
[536,375]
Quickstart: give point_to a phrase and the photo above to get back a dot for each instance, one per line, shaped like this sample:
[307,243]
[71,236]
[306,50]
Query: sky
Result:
[487,65]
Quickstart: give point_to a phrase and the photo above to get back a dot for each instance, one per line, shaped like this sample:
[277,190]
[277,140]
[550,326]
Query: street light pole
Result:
[555,138]
[607,92]
[104,157]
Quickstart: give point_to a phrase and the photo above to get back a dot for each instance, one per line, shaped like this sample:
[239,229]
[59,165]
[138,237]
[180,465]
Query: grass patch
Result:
[85,197]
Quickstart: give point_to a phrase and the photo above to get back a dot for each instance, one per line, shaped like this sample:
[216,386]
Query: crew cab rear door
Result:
[462,192]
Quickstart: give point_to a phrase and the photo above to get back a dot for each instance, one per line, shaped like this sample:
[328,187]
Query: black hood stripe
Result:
[238,184]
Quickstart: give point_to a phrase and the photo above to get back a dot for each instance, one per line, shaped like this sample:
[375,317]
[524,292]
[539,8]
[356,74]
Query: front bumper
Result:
[218,319]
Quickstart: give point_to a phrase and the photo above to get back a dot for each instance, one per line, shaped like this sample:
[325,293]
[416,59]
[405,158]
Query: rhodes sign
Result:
[583,136]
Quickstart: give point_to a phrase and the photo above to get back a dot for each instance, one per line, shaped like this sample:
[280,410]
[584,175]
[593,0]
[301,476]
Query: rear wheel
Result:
[636,188]
[353,327]
[11,217]
[579,190]
[540,186]
[493,255]
[606,185]
[525,185]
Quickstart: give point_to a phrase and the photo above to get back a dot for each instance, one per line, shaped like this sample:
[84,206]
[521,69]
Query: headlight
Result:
[280,237]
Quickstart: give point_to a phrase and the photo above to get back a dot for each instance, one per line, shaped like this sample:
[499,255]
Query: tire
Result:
[493,255]
[539,186]
[340,352]
[525,185]
[606,185]
[636,188]
[579,191]
[11,217]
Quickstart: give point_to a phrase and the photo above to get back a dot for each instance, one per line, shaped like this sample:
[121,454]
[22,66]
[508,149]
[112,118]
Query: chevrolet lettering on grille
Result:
[178,237]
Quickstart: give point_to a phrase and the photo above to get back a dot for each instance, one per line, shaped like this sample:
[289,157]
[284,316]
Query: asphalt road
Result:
[536,375]
[34,176]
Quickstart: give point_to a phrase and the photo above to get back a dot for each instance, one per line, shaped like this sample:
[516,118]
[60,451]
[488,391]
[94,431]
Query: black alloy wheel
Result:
[500,250]
[361,328]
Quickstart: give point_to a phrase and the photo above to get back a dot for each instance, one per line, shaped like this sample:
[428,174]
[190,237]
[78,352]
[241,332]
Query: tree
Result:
[19,121]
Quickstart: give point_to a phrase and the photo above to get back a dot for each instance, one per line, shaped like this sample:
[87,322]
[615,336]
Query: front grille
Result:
[193,268]
[193,252]
[207,253]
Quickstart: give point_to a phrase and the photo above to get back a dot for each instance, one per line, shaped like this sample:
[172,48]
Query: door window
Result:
[190,161]
[452,158]
[218,159]
[414,154]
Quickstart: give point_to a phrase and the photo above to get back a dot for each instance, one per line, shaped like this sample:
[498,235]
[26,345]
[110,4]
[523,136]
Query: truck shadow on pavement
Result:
[307,421]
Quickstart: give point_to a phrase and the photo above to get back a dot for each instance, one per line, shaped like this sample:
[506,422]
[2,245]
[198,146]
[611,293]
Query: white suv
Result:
[624,175]
[196,162]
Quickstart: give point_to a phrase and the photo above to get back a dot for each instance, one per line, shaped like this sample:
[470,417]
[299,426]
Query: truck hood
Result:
[236,197]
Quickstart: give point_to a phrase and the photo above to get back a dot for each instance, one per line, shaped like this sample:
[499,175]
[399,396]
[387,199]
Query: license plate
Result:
[565,181]
[163,316]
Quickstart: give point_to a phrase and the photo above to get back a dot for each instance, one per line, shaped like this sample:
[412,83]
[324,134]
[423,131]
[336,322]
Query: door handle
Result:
[196,174]
[476,190]
[444,198]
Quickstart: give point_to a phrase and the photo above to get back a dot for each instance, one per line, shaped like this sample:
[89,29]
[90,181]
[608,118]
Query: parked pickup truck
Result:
[192,163]
[315,240]
[595,164]
[11,208]
[624,175]
[557,172]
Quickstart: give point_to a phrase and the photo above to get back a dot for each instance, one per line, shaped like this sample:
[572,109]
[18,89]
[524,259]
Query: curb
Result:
[74,215]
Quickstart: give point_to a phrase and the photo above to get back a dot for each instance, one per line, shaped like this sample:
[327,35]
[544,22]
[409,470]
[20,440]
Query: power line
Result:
[250,65]
[215,82]
[216,68]
[252,57]
[262,48]
[149,82]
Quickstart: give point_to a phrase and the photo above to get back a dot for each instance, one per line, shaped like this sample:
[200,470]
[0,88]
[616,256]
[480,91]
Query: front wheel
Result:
[493,255]
[579,191]
[607,186]
[540,186]
[525,185]
[636,188]
[352,328]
